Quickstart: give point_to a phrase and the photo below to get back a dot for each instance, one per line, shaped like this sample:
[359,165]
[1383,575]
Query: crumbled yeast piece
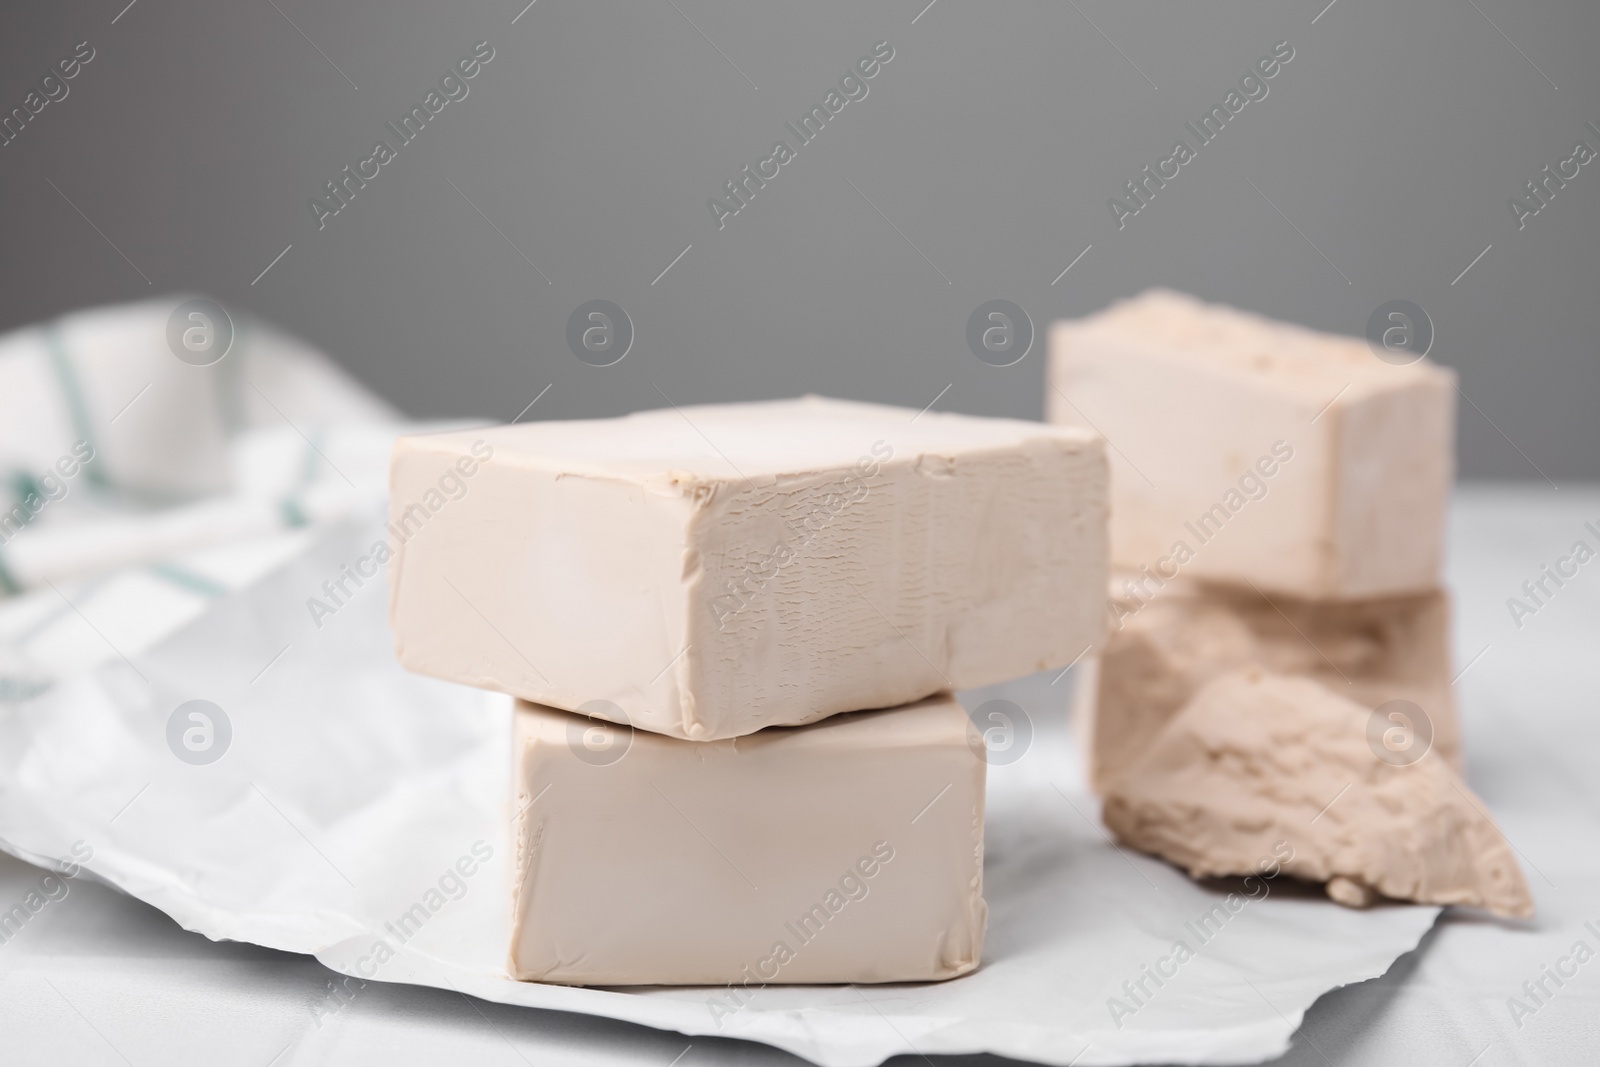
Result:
[1256,759]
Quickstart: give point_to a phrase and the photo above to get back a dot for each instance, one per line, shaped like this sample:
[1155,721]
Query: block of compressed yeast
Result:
[711,571]
[1249,450]
[849,850]
[1167,641]
[1260,766]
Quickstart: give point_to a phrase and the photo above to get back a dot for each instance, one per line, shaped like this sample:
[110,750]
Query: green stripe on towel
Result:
[185,578]
[77,406]
[8,581]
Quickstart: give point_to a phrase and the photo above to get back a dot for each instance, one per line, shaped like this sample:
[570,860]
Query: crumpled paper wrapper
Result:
[340,807]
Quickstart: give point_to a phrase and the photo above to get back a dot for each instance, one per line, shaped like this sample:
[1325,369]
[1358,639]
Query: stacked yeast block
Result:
[1279,498]
[846,850]
[721,583]
[714,570]
[1273,454]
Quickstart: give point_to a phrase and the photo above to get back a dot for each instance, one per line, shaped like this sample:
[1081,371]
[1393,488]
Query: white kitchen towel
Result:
[111,380]
[136,486]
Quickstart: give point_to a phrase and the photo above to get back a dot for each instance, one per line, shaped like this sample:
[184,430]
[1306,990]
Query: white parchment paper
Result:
[351,794]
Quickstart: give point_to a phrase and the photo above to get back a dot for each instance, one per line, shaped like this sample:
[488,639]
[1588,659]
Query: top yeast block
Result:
[1247,450]
[706,572]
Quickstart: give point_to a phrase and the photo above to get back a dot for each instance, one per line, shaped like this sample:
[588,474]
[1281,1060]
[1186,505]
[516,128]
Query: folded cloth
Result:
[135,486]
[157,426]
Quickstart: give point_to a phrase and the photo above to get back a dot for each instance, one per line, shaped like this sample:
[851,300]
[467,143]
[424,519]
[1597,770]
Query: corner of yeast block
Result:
[688,720]
[935,465]
[696,488]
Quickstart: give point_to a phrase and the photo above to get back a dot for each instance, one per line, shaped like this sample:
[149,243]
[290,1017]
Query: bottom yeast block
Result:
[849,850]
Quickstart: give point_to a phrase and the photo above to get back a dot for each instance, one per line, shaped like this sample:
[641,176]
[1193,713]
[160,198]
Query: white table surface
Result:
[98,978]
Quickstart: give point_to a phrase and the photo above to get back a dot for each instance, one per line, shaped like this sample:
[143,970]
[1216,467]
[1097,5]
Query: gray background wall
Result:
[978,166]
